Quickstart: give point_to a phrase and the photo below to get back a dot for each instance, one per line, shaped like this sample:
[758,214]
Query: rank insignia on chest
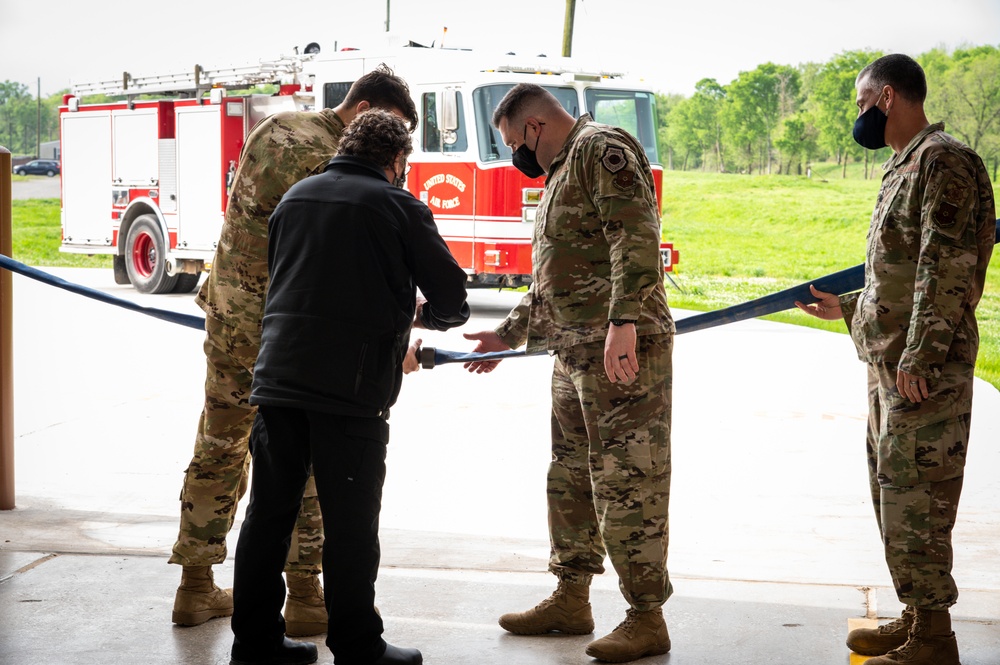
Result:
[625,180]
[614,159]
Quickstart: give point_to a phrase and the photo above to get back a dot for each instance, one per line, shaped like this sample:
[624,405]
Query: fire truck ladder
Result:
[196,82]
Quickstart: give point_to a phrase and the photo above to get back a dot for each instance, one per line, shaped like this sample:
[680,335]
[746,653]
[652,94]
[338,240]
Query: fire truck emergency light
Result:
[531,195]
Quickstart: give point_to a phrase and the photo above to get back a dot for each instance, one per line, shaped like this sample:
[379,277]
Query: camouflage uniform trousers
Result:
[609,480]
[218,475]
[916,462]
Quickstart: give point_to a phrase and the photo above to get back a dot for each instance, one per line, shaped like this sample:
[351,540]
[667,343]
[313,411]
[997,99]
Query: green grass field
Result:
[743,237]
[37,235]
[739,238]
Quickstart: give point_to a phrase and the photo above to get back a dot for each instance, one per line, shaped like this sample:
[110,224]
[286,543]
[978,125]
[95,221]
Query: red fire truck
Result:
[146,179]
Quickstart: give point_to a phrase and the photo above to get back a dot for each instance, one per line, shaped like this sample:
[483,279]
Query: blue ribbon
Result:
[841,282]
[188,320]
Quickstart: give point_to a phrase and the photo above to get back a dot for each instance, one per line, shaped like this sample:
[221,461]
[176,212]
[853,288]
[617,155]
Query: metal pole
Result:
[6,342]
[568,28]
[387,15]
[38,122]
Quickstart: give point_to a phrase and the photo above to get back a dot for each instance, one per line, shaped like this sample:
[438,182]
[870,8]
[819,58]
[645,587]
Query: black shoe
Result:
[399,656]
[289,652]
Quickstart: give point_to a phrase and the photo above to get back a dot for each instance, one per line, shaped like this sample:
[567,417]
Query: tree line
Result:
[779,118]
[24,121]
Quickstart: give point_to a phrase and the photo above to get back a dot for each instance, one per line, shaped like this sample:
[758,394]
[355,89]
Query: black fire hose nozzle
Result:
[425,354]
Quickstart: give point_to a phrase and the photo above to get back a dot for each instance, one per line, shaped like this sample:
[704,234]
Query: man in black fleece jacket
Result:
[347,251]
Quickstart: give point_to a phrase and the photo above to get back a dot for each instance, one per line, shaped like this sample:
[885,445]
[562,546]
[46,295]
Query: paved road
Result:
[36,187]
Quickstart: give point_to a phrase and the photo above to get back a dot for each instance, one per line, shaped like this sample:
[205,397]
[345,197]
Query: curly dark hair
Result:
[383,89]
[376,135]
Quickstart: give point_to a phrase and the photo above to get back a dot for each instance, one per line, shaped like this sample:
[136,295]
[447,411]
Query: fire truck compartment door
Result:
[86,182]
[135,147]
[199,177]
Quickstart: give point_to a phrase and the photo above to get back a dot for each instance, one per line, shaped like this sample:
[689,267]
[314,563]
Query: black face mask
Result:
[525,160]
[400,180]
[869,128]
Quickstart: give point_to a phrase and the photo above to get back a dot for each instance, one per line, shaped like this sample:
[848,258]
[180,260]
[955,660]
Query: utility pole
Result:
[38,122]
[387,15]
[567,50]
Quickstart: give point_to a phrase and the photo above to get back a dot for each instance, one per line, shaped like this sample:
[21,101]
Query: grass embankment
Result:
[743,237]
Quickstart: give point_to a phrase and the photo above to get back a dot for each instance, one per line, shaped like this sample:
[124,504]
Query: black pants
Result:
[347,456]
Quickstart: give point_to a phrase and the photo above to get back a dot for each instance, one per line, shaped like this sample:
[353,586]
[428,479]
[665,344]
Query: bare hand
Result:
[488,342]
[828,307]
[620,362]
[411,361]
[912,387]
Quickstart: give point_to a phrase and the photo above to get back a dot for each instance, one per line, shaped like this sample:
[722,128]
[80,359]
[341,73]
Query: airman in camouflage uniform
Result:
[596,301]
[914,325]
[280,150]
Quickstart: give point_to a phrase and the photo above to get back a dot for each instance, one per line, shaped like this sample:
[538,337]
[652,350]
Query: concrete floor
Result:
[773,544]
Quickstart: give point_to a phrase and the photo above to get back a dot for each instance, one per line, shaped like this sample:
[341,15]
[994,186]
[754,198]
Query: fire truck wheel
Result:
[186,282]
[145,252]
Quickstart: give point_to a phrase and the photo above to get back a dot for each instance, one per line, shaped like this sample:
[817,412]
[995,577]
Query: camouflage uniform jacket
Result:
[281,150]
[929,244]
[596,246]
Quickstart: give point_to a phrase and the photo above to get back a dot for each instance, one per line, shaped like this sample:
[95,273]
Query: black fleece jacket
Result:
[346,254]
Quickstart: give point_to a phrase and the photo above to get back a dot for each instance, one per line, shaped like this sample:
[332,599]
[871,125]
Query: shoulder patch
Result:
[613,159]
[945,214]
[953,197]
[625,180]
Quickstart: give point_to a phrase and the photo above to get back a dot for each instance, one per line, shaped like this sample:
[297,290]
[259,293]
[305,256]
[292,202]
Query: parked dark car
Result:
[49,167]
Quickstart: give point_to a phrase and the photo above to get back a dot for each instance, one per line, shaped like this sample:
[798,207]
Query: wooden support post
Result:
[6,341]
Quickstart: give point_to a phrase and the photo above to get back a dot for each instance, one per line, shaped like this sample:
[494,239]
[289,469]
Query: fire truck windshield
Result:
[632,110]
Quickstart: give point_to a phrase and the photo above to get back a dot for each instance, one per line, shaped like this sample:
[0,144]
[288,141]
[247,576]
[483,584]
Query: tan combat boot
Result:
[567,610]
[641,634]
[931,642]
[880,641]
[305,608]
[198,599]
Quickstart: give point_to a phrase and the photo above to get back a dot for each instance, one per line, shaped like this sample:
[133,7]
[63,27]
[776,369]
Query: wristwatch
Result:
[619,322]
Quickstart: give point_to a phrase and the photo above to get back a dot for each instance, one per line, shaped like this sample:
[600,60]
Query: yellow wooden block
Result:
[852,623]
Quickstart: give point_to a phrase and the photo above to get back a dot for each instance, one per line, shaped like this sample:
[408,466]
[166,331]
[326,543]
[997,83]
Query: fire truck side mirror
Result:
[449,116]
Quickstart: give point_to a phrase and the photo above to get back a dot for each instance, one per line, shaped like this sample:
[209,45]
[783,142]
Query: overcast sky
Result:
[671,44]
